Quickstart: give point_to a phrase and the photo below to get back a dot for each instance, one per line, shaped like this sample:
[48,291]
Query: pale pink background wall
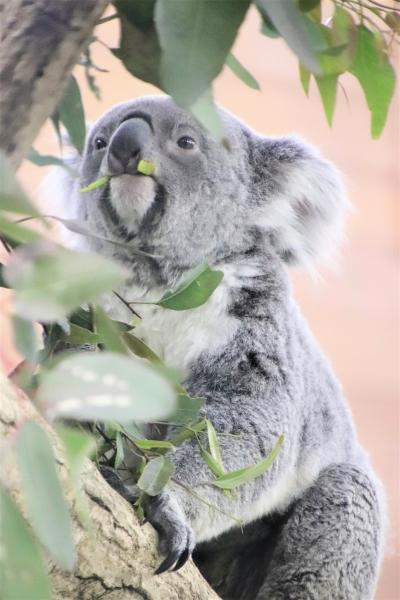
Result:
[353,312]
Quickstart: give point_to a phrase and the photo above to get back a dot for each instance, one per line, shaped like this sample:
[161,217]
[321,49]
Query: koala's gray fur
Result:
[313,522]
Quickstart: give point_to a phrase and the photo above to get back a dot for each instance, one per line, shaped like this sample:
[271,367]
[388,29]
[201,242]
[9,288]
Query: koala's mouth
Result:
[133,205]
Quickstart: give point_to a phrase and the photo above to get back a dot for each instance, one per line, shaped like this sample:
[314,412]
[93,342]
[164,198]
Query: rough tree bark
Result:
[118,562]
[40,43]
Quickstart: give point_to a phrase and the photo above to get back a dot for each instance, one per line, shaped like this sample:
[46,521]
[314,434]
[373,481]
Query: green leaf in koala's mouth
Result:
[95,184]
[146,167]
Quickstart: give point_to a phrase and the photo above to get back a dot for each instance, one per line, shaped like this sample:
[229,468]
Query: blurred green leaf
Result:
[71,113]
[139,348]
[119,454]
[25,338]
[342,39]
[145,444]
[206,113]
[156,475]
[12,196]
[108,331]
[187,409]
[3,283]
[194,289]
[376,76]
[327,88]
[22,571]
[305,76]
[50,281]
[241,72]
[18,233]
[79,335]
[267,27]
[47,509]
[308,5]
[294,27]
[235,478]
[46,160]
[139,47]
[195,38]
[104,386]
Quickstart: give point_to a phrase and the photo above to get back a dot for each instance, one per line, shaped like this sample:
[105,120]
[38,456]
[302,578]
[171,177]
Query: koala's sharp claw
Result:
[182,560]
[167,563]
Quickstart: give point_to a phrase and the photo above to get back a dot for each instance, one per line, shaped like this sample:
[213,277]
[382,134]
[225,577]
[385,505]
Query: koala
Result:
[311,527]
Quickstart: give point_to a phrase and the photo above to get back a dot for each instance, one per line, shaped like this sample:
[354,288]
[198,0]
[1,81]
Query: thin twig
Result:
[127,304]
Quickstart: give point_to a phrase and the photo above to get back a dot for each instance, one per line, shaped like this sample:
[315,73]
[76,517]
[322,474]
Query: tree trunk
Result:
[41,41]
[118,561]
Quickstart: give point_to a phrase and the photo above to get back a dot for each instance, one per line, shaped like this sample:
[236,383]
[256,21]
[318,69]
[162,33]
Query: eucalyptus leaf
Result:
[3,283]
[156,475]
[241,72]
[145,444]
[71,113]
[327,88]
[12,197]
[212,463]
[214,446]
[119,452]
[47,508]
[106,386]
[305,77]
[206,113]
[22,570]
[79,335]
[376,76]
[187,409]
[46,160]
[108,332]
[25,338]
[139,348]
[233,479]
[195,38]
[50,281]
[194,289]
[18,233]
[294,27]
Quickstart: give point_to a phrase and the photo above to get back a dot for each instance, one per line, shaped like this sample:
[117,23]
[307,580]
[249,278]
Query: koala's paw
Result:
[176,536]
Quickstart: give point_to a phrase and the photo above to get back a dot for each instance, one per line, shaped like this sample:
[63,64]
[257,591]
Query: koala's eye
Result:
[186,142]
[100,143]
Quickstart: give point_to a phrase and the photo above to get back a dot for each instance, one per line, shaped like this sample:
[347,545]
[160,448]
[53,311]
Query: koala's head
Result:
[205,200]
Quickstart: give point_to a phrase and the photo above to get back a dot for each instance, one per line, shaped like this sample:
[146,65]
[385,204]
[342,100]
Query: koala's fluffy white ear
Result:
[304,201]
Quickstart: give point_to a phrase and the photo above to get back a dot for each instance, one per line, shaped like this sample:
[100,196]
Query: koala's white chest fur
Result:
[178,337]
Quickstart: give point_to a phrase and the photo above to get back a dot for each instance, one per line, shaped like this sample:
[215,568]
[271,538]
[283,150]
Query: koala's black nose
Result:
[126,145]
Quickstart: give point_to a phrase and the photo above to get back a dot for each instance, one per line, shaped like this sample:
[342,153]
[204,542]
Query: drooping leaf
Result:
[235,478]
[294,27]
[48,511]
[188,432]
[139,47]
[241,72]
[305,76]
[106,387]
[50,281]
[206,113]
[12,196]
[194,289]
[327,88]
[119,451]
[139,348]
[25,338]
[376,76]
[46,160]
[22,571]
[187,409]
[71,113]
[195,38]
[156,475]
[145,444]
[214,446]
[268,28]
[212,463]
[18,233]
[79,335]
[342,39]
[108,332]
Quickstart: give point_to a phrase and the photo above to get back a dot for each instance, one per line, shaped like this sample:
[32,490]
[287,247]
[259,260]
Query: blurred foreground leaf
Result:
[70,112]
[12,196]
[156,475]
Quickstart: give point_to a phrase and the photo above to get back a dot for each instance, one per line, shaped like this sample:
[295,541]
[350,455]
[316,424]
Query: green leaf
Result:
[194,289]
[146,167]
[308,5]
[50,281]
[18,233]
[267,28]
[46,160]
[119,453]
[108,331]
[22,571]
[342,40]
[139,47]
[195,38]
[327,88]
[83,318]
[376,76]
[145,444]
[25,338]
[294,27]
[106,386]
[233,479]
[12,196]
[139,348]
[187,409]
[95,184]
[79,335]
[305,76]
[212,463]
[3,283]
[156,475]
[241,72]
[189,432]
[47,509]
[71,113]
[214,446]
[206,113]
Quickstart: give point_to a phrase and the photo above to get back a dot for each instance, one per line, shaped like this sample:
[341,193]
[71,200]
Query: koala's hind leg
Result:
[329,549]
